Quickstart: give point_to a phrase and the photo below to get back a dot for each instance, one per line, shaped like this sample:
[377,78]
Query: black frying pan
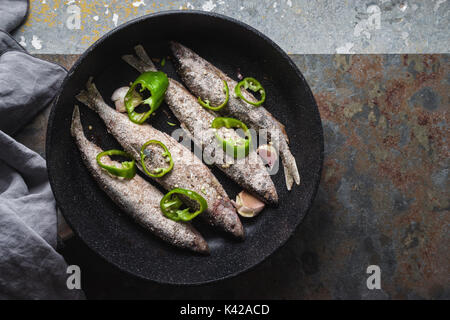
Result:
[230,45]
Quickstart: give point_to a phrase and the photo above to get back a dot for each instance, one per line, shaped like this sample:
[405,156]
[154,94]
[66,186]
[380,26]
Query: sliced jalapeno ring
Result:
[236,149]
[127,169]
[158,172]
[253,85]
[154,81]
[170,205]
[207,104]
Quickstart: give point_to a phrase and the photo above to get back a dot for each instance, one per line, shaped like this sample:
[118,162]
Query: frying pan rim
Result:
[229,20]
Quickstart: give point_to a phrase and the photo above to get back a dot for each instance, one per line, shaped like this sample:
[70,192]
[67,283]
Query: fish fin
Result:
[134,62]
[91,96]
[288,177]
[295,172]
[142,54]
[83,97]
[141,62]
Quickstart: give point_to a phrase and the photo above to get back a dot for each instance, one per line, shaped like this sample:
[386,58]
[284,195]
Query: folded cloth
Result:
[27,85]
[8,43]
[12,13]
[30,266]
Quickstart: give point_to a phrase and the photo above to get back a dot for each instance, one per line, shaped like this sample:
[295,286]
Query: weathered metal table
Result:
[384,194]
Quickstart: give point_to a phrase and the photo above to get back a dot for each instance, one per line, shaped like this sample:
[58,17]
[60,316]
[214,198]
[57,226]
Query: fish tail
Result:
[291,173]
[142,54]
[83,97]
[91,96]
[134,62]
[141,61]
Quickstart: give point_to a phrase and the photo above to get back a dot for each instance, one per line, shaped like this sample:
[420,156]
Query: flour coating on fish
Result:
[206,81]
[249,172]
[135,196]
[188,171]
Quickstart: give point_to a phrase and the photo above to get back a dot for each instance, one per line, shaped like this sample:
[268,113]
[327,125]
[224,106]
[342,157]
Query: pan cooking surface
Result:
[233,47]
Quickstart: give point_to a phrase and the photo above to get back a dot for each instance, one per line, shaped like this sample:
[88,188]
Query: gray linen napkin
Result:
[30,266]
[12,13]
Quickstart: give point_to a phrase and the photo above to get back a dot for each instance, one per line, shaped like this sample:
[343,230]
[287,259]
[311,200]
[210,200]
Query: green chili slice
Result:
[234,148]
[170,205]
[253,85]
[158,172]
[207,104]
[127,170]
[154,81]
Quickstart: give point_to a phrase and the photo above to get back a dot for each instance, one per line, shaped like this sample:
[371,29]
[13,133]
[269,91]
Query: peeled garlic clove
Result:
[247,205]
[118,97]
[269,154]
[120,93]
[120,106]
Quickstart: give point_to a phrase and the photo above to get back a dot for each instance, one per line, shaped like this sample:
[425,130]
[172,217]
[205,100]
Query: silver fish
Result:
[249,172]
[136,196]
[206,81]
[188,171]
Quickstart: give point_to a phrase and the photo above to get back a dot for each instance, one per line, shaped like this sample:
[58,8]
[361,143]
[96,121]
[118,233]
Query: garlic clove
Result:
[269,154]
[247,205]
[118,97]
[120,106]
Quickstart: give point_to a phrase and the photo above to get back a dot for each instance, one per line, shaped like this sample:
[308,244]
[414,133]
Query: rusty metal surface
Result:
[298,26]
[384,195]
[383,198]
